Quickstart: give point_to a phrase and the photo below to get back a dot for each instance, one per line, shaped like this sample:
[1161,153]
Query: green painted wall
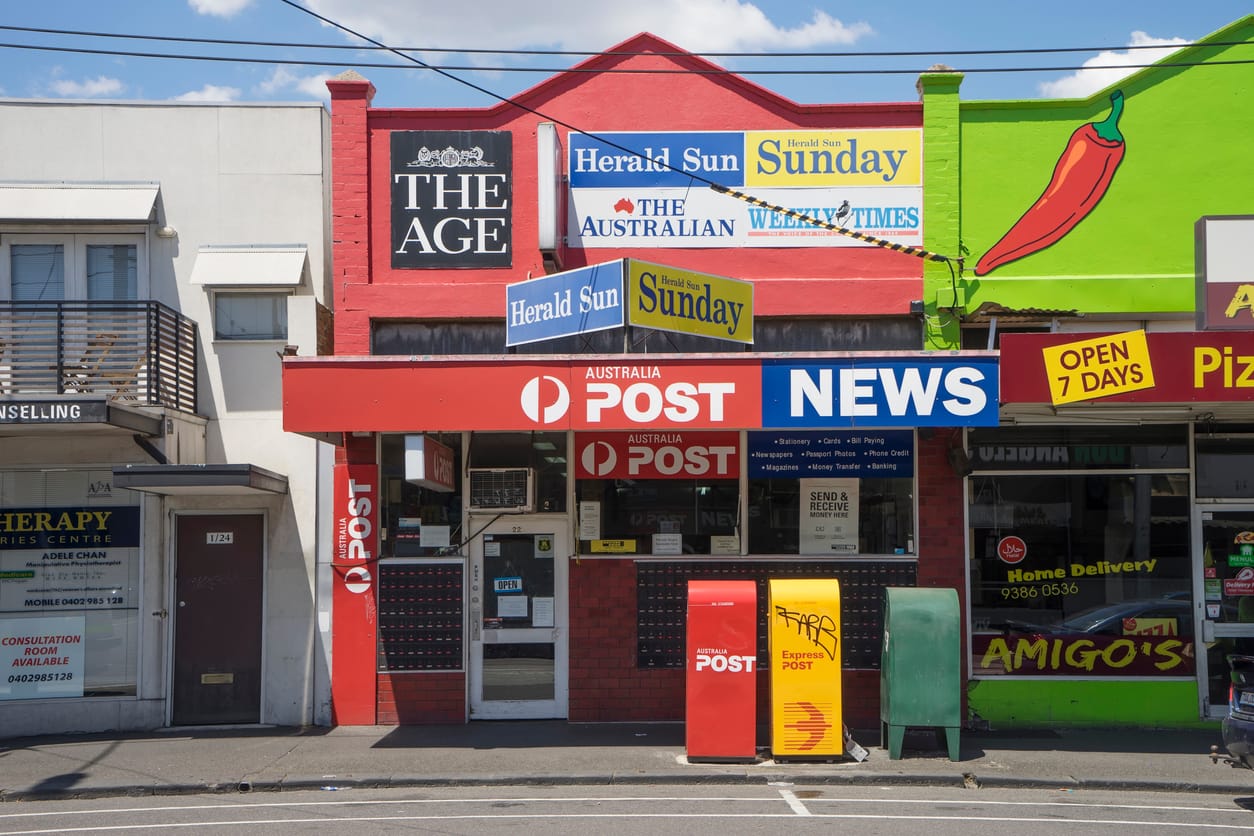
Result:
[1188,132]
[1078,704]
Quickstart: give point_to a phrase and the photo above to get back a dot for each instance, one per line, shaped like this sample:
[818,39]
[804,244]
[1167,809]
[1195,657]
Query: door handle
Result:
[161,613]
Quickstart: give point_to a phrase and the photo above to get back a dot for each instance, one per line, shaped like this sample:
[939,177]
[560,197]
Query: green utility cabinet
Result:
[920,667]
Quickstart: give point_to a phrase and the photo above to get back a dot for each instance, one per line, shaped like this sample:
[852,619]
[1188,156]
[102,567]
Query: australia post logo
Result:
[658,455]
[355,521]
[686,396]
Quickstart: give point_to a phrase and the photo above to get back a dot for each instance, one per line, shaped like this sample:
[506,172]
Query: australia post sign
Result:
[511,392]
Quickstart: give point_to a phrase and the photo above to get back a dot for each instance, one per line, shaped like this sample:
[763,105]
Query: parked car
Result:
[1238,725]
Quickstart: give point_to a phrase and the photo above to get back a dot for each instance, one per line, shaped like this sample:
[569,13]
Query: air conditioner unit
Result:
[502,489]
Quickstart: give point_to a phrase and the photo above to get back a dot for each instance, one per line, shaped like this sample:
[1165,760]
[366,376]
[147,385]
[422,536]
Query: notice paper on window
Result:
[829,516]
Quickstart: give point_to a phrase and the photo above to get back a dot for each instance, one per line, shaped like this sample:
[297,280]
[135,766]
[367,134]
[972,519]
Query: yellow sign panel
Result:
[804,634]
[670,299]
[1096,368]
[613,546]
[889,157]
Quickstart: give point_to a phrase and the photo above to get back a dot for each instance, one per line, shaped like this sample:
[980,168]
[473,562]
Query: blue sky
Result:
[764,28]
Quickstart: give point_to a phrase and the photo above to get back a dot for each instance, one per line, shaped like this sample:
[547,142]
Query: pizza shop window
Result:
[1080,552]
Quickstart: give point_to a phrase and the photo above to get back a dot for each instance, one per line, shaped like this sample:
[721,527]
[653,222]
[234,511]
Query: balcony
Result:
[142,353]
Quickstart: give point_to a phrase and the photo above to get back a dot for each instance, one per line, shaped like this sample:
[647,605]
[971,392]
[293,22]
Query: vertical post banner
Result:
[354,615]
[803,629]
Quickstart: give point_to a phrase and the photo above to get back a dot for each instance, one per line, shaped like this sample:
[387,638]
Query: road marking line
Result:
[795,803]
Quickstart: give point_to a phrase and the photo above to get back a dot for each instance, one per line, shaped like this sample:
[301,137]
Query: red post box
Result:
[721,709]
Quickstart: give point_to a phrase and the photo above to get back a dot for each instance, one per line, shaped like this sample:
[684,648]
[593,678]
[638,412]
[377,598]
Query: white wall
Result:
[229,174]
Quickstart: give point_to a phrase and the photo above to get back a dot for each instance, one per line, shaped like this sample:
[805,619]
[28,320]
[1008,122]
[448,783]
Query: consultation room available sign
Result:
[867,454]
[41,657]
[651,189]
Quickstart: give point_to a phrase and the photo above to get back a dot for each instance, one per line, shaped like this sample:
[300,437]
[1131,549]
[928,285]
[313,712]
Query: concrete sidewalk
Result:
[182,761]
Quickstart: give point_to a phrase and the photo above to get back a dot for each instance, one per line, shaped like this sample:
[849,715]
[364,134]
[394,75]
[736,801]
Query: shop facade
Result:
[157,527]
[1106,514]
[529,471]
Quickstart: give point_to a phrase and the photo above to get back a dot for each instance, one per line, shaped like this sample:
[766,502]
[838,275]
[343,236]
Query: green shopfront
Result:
[1110,516]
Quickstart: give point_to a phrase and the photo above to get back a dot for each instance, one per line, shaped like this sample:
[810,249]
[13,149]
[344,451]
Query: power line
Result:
[601,71]
[615,53]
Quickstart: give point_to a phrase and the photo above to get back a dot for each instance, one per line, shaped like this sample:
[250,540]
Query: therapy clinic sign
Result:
[651,189]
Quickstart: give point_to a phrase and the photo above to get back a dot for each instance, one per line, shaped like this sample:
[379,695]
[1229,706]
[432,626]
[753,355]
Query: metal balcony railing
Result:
[141,352]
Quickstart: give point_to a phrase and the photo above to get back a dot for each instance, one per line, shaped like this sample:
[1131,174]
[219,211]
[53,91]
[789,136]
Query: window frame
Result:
[285,294]
[74,241]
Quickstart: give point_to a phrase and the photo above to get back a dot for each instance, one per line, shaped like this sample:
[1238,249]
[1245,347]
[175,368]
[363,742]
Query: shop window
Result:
[419,521]
[250,316]
[658,516]
[659,493]
[1080,574]
[70,596]
[1225,466]
[831,517]
[835,493]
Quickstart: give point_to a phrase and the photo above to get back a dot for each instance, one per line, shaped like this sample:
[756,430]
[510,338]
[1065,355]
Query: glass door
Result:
[518,619]
[1226,573]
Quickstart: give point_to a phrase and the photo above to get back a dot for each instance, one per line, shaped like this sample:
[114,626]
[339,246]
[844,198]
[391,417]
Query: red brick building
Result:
[582,340]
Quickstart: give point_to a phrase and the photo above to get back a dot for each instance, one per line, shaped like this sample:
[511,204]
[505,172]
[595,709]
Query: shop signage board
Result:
[1186,367]
[636,189]
[881,392]
[873,454]
[574,302]
[54,412]
[68,558]
[451,199]
[354,546]
[628,292]
[684,393]
[41,657]
[653,455]
[686,302]
[1225,279]
[1096,368]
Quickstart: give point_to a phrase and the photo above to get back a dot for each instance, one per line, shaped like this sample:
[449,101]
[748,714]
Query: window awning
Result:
[198,479]
[250,266]
[80,202]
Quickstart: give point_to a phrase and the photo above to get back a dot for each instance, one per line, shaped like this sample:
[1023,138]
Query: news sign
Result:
[881,392]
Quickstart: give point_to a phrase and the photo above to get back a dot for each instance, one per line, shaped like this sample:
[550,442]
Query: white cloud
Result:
[694,25]
[210,93]
[219,8]
[1102,70]
[98,86]
[313,86]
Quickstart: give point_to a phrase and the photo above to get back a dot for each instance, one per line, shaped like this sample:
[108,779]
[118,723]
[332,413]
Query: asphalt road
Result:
[645,809]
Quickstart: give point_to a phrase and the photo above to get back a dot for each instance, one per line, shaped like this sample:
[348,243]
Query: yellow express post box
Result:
[803,628]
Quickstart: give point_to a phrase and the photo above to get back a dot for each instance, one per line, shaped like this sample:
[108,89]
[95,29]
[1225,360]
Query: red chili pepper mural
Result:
[1081,177]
